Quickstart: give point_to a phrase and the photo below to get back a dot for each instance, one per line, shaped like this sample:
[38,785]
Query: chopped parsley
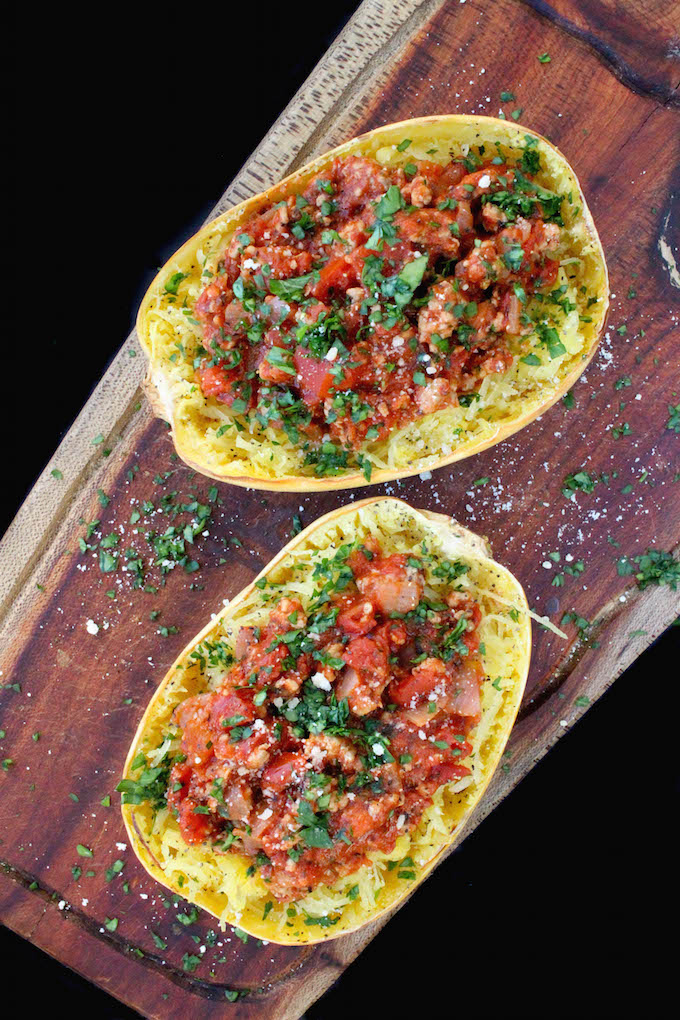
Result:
[673,422]
[579,482]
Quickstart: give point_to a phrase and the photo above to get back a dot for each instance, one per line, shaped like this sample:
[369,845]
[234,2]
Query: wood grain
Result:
[608,99]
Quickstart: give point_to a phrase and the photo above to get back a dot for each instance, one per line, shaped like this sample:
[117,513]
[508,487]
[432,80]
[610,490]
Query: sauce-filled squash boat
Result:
[408,299]
[318,747]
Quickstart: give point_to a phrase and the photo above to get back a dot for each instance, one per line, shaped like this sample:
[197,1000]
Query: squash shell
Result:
[139,819]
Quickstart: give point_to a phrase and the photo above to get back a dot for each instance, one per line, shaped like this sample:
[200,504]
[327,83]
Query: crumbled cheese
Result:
[484,181]
[91,627]
[332,354]
[378,749]
[317,757]
[320,681]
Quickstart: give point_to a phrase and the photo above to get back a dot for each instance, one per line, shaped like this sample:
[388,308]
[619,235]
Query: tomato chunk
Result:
[314,376]
[336,276]
[357,618]
[217,381]
[281,772]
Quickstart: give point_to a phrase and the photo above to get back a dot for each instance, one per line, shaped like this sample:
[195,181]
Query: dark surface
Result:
[552,906]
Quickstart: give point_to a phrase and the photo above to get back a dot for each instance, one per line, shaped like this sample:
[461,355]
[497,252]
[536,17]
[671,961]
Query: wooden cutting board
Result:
[83,650]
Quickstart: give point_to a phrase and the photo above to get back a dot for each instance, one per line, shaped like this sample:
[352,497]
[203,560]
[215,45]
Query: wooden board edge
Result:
[47,506]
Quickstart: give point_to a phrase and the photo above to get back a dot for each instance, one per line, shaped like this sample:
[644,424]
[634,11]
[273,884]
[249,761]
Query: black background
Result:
[129,124]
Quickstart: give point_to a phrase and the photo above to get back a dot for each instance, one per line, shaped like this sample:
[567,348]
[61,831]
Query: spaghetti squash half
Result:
[403,301]
[319,746]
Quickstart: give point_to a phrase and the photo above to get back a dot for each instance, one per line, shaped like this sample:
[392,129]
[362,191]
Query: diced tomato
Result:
[196,828]
[356,820]
[335,277]
[253,750]
[395,256]
[235,707]
[429,170]
[265,227]
[212,300]
[216,381]
[313,312]
[314,376]
[435,759]
[394,632]
[471,637]
[361,559]
[416,687]
[178,788]
[274,365]
[447,772]
[367,673]
[284,261]
[356,259]
[357,618]
[546,274]
[197,737]
[226,385]
[454,737]
[282,770]
[368,657]
[360,370]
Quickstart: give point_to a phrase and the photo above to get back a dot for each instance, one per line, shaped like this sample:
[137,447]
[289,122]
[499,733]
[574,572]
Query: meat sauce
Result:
[376,296]
[333,728]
